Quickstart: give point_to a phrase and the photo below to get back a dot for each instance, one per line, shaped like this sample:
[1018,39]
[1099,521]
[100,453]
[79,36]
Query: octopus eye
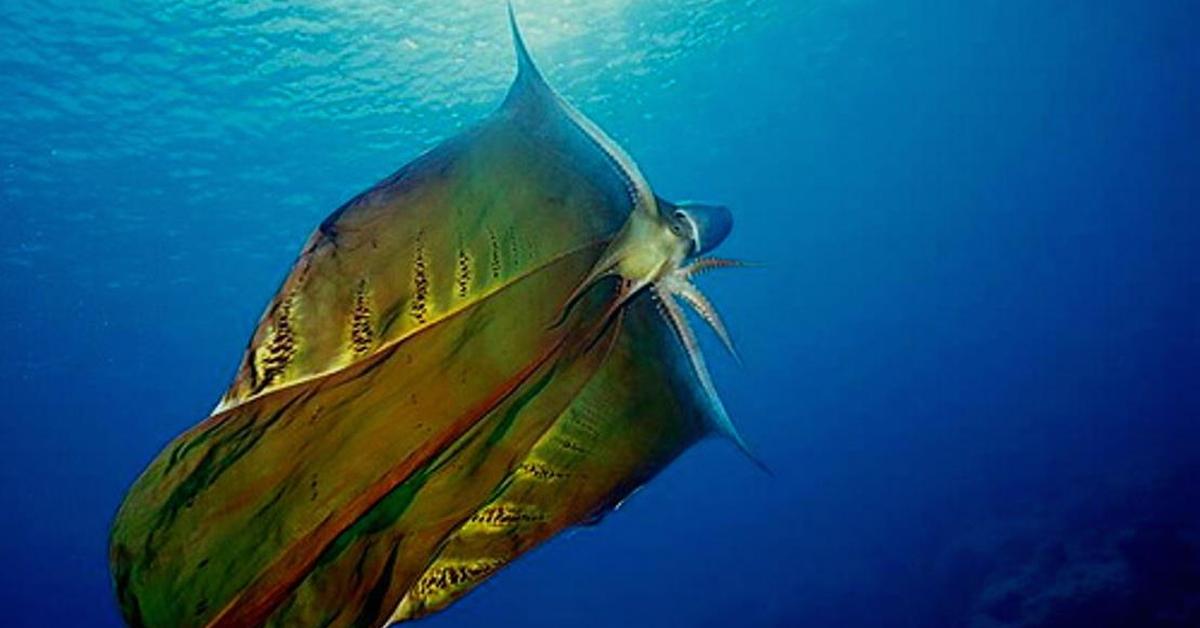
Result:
[706,225]
[679,224]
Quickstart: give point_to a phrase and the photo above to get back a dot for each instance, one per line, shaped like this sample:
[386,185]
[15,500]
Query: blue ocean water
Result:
[971,357]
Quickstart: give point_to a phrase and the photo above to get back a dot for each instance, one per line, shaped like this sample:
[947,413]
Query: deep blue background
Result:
[972,358]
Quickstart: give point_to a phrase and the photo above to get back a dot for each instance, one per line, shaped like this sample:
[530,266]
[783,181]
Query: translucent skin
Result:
[415,410]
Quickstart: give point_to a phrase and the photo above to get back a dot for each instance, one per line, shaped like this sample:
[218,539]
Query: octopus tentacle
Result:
[691,295]
[678,322]
[674,316]
[705,264]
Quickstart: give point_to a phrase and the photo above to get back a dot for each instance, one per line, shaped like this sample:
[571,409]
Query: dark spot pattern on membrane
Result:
[362,336]
[281,347]
[446,577]
[514,248]
[462,275]
[495,261]
[420,303]
[570,445]
[542,471]
[504,515]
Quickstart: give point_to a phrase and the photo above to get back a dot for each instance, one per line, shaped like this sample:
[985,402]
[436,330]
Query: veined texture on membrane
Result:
[479,351]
